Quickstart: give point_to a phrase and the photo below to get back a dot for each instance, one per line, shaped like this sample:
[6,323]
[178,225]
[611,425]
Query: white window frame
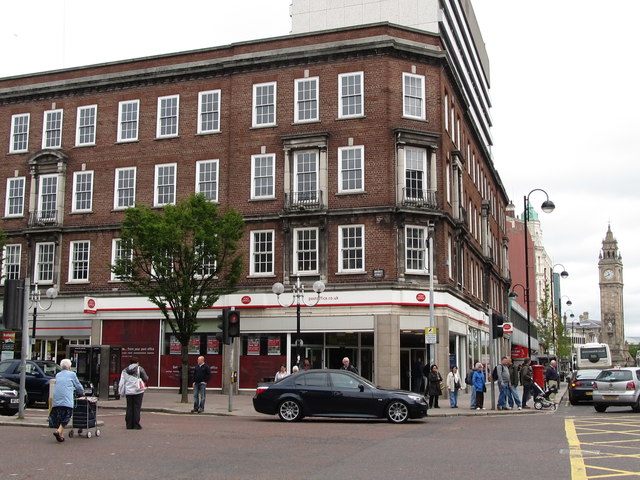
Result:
[44,215]
[43,249]
[255,254]
[129,120]
[11,262]
[258,177]
[117,188]
[406,95]
[297,251]
[208,266]
[157,186]
[116,251]
[256,121]
[342,171]
[19,127]
[163,116]
[423,157]
[298,177]
[342,95]
[75,207]
[48,131]
[214,181]
[422,249]
[214,111]
[79,261]
[299,103]
[81,118]
[344,248]
[13,200]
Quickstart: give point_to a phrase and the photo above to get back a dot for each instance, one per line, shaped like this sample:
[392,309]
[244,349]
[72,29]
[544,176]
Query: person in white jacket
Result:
[132,388]
[454,384]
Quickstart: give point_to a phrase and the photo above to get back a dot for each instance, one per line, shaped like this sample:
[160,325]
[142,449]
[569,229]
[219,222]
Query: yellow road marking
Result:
[578,470]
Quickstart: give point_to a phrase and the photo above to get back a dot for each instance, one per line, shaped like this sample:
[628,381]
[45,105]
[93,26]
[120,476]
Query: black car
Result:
[581,386]
[38,375]
[9,397]
[335,393]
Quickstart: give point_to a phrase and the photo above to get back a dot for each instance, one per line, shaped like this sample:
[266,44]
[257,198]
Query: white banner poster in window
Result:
[253,346]
[274,345]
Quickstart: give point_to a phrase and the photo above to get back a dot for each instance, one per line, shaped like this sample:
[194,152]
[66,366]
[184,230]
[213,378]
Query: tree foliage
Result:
[182,258]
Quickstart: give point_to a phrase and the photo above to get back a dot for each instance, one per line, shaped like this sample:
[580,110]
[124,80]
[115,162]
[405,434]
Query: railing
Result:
[304,200]
[413,197]
[44,218]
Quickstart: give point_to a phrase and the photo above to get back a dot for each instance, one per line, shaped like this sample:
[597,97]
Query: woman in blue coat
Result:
[66,385]
[479,386]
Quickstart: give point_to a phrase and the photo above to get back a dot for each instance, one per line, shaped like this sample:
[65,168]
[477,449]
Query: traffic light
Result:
[496,322]
[233,323]
[223,336]
[13,304]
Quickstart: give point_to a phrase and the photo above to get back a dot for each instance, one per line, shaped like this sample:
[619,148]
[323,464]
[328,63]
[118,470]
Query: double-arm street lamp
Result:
[298,300]
[547,207]
[563,274]
[34,298]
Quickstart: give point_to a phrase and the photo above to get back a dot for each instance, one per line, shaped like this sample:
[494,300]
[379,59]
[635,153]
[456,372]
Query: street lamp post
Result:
[298,300]
[34,298]
[563,274]
[513,295]
[571,315]
[547,206]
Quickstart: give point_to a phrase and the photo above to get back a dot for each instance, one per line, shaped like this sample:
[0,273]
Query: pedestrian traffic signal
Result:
[496,323]
[233,323]
[223,335]
[13,304]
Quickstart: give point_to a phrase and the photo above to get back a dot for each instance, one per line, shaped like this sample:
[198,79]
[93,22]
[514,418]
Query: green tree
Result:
[545,323]
[182,258]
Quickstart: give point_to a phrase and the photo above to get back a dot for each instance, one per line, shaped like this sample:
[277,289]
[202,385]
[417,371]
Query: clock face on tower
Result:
[608,274]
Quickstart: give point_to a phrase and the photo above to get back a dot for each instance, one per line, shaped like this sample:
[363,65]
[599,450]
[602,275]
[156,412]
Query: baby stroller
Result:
[541,397]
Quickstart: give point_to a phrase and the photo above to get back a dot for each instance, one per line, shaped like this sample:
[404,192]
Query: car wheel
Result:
[290,410]
[397,412]
[636,407]
[572,400]
[600,408]
[9,412]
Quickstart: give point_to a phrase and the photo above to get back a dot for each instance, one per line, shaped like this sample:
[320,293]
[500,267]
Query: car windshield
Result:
[587,374]
[615,375]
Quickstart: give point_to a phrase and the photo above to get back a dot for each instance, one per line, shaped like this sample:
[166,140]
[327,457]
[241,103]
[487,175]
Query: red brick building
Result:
[345,150]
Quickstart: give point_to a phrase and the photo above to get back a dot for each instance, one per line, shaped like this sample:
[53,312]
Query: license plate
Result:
[588,393]
[610,397]
[14,400]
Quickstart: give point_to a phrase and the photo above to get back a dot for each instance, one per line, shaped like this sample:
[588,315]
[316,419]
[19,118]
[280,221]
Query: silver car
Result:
[617,387]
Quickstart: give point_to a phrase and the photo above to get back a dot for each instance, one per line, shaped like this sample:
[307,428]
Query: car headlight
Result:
[416,398]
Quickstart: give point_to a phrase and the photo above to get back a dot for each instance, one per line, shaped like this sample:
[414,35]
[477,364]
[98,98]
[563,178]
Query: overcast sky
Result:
[564,86]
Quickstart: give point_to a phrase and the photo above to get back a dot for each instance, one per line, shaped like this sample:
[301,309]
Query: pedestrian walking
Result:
[434,386]
[504,378]
[67,384]
[479,385]
[346,365]
[468,380]
[454,383]
[201,376]
[552,378]
[282,373]
[526,377]
[514,398]
[132,385]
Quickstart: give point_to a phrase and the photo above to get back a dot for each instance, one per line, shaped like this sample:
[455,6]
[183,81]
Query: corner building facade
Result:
[348,151]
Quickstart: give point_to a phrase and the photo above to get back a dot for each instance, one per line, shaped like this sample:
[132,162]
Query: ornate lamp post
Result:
[547,206]
[34,299]
[298,300]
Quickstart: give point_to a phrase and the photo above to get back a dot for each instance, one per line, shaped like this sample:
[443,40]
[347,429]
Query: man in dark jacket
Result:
[552,378]
[513,383]
[201,377]
[346,365]
[526,378]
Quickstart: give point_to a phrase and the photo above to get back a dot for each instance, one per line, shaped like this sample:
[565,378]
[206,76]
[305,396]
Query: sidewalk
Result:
[168,401]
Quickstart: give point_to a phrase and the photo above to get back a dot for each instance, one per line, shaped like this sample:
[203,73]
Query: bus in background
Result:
[593,355]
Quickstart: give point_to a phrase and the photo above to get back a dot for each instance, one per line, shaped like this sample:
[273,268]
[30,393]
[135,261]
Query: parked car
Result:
[617,387]
[9,397]
[335,393]
[38,374]
[581,385]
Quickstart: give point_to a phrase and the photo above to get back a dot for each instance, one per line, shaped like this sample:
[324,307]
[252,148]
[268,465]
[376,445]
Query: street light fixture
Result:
[298,300]
[547,207]
[34,298]
[563,274]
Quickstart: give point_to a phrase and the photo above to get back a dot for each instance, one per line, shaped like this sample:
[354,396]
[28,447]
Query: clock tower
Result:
[611,304]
